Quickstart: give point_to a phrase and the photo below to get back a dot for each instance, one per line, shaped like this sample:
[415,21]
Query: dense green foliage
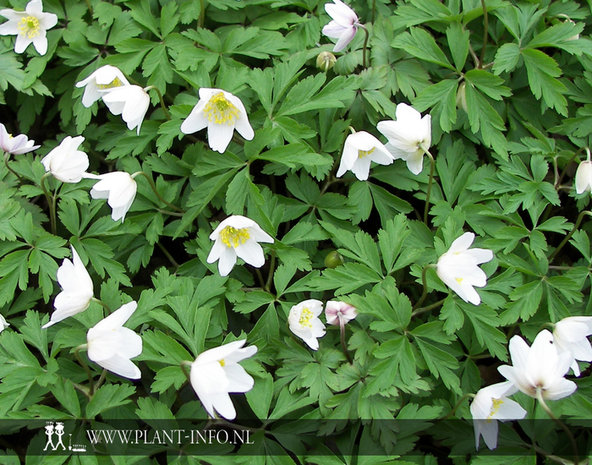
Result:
[509,91]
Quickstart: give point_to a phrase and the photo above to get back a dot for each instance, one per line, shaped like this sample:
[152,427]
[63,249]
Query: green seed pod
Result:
[326,61]
[333,259]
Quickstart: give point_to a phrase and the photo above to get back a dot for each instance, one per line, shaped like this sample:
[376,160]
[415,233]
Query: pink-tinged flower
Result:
[221,112]
[491,404]
[237,236]
[540,368]
[304,322]
[112,346]
[119,188]
[571,336]
[15,145]
[339,313]
[77,290]
[29,26]
[66,162]
[131,102]
[458,268]
[216,373]
[100,82]
[409,136]
[343,26]
[359,150]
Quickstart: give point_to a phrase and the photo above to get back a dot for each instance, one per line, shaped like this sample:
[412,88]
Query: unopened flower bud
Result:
[584,177]
[461,96]
[333,259]
[336,311]
[326,61]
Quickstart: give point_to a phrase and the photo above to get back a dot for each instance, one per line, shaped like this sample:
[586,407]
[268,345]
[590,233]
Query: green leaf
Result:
[109,396]
[542,70]
[441,97]
[419,43]
[458,42]
[506,58]
[490,84]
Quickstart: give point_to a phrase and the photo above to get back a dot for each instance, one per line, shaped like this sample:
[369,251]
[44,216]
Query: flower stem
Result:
[91,387]
[568,237]
[430,180]
[163,106]
[342,335]
[425,285]
[202,13]
[558,181]
[101,303]
[427,308]
[539,396]
[187,374]
[485,30]
[270,273]
[153,187]
[51,202]
[364,62]
[6,157]
[458,404]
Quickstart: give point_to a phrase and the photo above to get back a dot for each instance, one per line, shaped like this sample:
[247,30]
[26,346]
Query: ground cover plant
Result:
[343,233]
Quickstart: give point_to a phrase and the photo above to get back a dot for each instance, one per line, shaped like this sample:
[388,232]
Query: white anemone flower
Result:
[409,137]
[111,346]
[458,269]
[359,150]
[221,112]
[216,373]
[29,26]
[16,145]
[77,290]
[3,323]
[66,162]
[304,322]
[131,102]
[343,26]
[101,81]
[237,236]
[119,188]
[571,335]
[539,369]
[491,404]
[584,177]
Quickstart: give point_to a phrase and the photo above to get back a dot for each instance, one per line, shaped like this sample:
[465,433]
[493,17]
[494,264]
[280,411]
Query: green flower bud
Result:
[333,259]
[326,61]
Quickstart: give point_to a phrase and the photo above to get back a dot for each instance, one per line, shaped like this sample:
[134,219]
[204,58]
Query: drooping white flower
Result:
[119,188]
[237,236]
[100,82]
[540,367]
[304,322]
[66,162]
[458,268]
[15,145]
[359,150]
[409,136]
[491,404]
[29,26]
[221,112]
[584,177]
[215,373]
[77,290]
[343,26]
[571,335]
[3,323]
[338,313]
[111,346]
[131,102]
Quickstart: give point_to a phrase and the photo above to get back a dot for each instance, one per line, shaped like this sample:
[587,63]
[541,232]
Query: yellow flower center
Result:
[232,237]
[29,27]
[114,83]
[222,362]
[365,153]
[220,111]
[495,406]
[459,280]
[305,316]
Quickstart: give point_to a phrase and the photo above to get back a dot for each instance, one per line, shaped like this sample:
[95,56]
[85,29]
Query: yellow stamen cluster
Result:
[459,280]
[28,27]
[495,406]
[232,237]
[222,362]
[220,111]
[305,316]
[114,83]
[365,153]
